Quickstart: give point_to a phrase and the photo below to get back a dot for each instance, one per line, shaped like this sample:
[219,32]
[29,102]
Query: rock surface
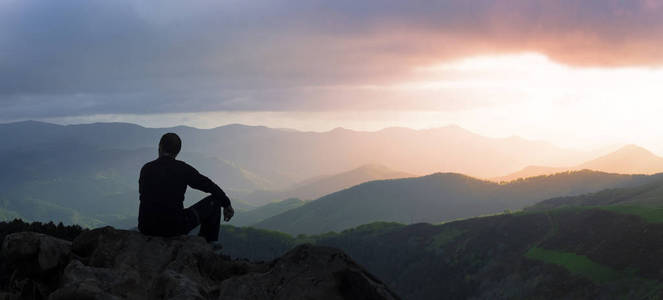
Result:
[116,264]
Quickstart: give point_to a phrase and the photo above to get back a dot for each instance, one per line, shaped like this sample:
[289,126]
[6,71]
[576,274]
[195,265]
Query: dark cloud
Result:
[76,57]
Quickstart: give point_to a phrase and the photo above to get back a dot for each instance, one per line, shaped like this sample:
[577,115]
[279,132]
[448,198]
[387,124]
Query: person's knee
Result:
[214,203]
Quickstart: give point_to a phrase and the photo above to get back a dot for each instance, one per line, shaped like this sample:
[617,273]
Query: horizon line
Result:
[339,128]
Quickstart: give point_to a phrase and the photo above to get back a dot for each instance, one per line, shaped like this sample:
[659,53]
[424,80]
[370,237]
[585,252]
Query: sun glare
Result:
[525,61]
[527,95]
[530,71]
[531,95]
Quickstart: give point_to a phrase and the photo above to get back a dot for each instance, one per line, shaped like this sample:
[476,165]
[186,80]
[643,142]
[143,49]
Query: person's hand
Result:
[228,213]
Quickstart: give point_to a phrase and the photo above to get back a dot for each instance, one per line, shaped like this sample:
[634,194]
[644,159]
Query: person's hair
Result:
[170,143]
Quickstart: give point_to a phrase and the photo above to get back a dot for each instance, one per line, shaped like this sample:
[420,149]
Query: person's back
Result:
[162,185]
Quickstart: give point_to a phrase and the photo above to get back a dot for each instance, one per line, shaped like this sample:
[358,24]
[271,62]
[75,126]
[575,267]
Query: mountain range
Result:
[647,198]
[437,198]
[582,234]
[258,214]
[604,245]
[87,174]
[317,187]
[288,156]
[630,159]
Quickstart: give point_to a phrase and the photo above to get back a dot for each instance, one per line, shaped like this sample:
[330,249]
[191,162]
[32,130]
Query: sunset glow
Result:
[578,74]
[525,94]
[382,149]
[533,96]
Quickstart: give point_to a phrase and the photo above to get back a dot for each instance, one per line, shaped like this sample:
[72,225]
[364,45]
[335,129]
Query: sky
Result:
[580,74]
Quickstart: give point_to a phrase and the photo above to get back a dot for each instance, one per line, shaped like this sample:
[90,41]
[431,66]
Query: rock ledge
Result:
[106,263]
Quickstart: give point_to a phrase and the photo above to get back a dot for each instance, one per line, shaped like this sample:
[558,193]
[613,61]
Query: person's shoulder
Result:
[183,164]
[149,164]
[186,168]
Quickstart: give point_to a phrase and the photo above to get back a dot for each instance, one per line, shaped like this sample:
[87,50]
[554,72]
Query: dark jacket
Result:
[162,185]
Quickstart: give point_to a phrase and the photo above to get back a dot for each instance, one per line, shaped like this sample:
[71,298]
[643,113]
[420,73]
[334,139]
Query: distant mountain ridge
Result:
[630,159]
[88,173]
[317,187]
[261,213]
[286,156]
[436,198]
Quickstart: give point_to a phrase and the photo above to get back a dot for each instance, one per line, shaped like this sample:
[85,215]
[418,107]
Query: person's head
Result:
[170,145]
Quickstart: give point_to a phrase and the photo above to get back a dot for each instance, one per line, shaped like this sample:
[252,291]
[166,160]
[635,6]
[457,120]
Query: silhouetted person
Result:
[162,185]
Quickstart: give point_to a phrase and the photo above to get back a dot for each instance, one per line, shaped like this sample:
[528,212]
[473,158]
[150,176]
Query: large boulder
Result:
[36,261]
[308,272]
[106,263]
[35,253]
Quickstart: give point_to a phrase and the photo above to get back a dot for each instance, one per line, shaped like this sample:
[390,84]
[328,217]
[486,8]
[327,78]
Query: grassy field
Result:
[443,238]
[576,264]
[632,286]
[650,214]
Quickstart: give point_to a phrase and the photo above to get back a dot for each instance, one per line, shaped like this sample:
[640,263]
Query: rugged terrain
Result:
[570,253]
[115,264]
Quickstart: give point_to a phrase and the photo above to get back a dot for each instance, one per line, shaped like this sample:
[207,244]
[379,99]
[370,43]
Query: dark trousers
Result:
[207,214]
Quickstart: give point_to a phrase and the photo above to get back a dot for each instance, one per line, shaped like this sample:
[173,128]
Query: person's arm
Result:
[141,181]
[201,182]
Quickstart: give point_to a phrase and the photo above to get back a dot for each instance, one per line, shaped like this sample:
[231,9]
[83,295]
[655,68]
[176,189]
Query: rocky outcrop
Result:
[115,264]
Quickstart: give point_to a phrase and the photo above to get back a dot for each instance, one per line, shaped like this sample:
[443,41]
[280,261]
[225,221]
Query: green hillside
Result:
[559,254]
[648,195]
[436,198]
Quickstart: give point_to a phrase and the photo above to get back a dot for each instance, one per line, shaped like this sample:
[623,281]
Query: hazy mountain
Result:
[531,171]
[317,187]
[258,214]
[436,198]
[88,173]
[82,184]
[630,159]
[285,156]
[231,177]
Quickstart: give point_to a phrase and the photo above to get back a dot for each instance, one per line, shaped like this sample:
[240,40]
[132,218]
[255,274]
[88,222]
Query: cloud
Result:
[77,57]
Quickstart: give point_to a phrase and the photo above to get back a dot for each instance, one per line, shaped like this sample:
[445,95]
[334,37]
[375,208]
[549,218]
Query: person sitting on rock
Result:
[162,185]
